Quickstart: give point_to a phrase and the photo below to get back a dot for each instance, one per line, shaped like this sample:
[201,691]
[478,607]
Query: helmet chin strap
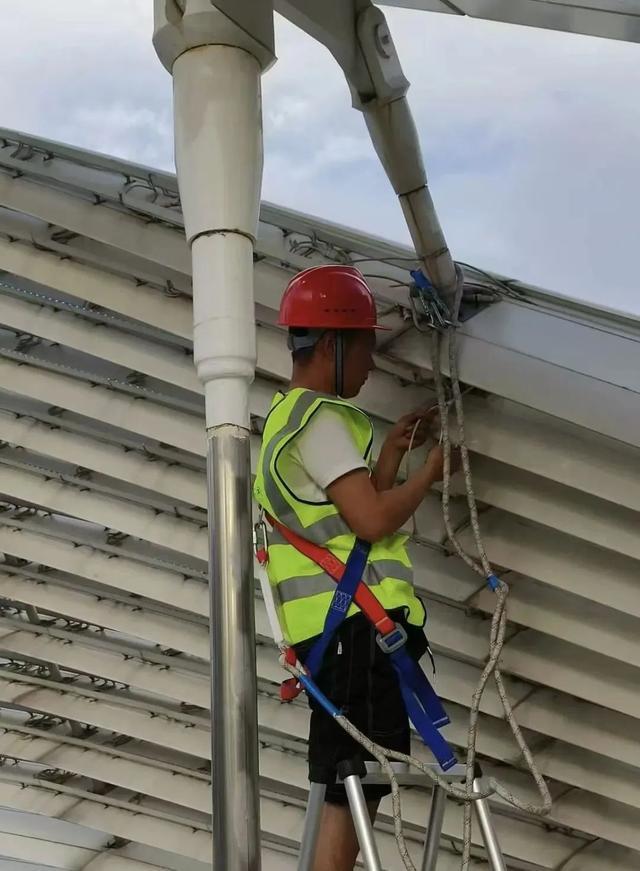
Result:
[339,363]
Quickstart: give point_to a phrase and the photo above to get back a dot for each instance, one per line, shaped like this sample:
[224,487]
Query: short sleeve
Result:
[326,448]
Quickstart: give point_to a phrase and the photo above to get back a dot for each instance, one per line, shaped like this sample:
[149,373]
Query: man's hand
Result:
[435,462]
[399,436]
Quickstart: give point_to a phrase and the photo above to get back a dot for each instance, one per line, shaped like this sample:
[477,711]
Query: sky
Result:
[531,138]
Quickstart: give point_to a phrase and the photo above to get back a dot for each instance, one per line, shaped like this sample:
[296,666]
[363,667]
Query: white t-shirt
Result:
[323,452]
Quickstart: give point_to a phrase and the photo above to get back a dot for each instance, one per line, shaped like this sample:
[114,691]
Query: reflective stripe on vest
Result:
[303,592]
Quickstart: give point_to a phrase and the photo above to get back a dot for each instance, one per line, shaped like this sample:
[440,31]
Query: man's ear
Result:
[327,344]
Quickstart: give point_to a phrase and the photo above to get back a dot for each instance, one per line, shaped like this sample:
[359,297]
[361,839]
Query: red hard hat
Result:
[331,297]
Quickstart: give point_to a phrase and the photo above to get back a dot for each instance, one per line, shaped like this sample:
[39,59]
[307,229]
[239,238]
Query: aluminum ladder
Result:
[355,773]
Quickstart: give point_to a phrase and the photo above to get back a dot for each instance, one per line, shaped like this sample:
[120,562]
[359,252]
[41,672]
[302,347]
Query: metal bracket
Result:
[357,34]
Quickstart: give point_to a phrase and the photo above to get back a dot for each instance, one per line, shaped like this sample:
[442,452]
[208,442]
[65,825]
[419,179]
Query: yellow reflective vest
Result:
[302,591]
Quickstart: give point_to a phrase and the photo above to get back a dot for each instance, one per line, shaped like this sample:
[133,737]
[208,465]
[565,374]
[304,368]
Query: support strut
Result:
[357,34]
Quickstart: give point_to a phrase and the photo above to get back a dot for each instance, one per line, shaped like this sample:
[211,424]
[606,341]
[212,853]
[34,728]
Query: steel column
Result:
[234,733]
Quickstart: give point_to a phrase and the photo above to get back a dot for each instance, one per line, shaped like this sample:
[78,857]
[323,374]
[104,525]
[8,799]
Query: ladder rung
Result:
[408,776]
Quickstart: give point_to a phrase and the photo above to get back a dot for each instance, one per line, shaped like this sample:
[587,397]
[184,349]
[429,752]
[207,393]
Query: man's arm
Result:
[386,468]
[372,514]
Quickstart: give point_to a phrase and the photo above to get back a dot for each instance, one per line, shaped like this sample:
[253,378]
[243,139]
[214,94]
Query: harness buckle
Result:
[291,688]
[261,541]
[393,640]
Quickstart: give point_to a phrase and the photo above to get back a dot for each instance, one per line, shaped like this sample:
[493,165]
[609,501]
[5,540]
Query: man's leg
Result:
[338,848]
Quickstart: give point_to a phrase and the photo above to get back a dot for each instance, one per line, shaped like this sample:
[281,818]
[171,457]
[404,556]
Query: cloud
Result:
[86,73]
[530,137]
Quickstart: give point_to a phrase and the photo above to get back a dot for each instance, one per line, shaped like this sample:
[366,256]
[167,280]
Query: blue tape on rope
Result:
[318,695]
[493,583]
[420,279]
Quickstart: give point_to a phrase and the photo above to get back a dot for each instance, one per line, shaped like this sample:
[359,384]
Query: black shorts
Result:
[359,679]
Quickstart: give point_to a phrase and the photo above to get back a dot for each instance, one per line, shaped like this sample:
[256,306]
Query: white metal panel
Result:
[610,526]
[163,530]
[583,724]
[591,572]
[172,481]
[570,618]
[602,857]
[509,441]
[281,822]
[574,670]
[141,721]
[612,19]
[138,776]
[36,850]
[553,449]
[130,413]
[100,812]
[127,618]
[10,865]
[444,634]
[503,371]
[117,572]
[111,861]
[104,224]
[125,296]
[107,342]
[560,341]
[609,409]
[163,678]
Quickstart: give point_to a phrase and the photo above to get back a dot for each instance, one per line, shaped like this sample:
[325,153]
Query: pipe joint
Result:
[244,24]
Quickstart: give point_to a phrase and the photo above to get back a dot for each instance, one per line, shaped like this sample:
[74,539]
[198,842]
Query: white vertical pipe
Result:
[218,137]
[224,344]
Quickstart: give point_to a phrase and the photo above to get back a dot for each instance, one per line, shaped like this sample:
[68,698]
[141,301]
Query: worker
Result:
[315,478]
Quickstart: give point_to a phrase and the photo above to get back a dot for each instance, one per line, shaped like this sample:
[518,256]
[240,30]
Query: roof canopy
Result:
[103,591]
[615,19]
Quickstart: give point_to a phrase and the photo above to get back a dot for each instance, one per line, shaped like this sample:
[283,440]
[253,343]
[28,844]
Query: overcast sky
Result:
[531,138]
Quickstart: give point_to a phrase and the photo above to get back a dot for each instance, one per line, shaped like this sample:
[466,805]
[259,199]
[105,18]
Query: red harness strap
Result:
[332,566]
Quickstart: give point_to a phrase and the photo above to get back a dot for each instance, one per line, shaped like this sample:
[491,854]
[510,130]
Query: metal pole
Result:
[216,51]
[489,836]
[234,738]
[434,829]
[311,830]
[362,823]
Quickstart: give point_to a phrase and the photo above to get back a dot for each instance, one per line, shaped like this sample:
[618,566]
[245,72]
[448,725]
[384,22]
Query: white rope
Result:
[499,620]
